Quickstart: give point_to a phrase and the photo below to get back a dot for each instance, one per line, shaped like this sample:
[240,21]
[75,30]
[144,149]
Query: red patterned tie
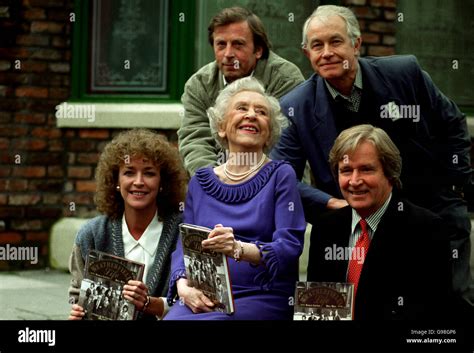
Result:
[358,256]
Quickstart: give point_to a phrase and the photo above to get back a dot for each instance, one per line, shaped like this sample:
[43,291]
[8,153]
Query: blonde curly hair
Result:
[139,143]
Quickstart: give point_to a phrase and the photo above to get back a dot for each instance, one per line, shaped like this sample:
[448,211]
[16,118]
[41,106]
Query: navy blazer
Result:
[406,273]
[435,150]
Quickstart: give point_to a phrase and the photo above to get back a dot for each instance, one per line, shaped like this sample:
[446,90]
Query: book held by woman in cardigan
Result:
[206,270]
[102,286]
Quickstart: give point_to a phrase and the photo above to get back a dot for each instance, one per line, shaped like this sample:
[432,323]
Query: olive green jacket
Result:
[196,144]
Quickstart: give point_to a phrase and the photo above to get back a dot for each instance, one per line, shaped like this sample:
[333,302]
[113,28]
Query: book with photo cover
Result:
[101,289]
[206,270]
[323,301]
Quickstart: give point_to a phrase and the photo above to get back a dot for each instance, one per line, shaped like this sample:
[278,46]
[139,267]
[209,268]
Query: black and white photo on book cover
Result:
[323,301]
[101,289]
[206,270]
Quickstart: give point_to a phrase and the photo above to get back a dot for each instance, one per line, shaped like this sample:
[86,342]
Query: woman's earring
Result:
[161,189]
[118,187]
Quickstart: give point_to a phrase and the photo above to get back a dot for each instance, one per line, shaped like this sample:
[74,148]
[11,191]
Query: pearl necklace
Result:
[240,176]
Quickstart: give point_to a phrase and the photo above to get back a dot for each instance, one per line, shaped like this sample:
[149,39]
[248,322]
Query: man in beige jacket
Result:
[241,48]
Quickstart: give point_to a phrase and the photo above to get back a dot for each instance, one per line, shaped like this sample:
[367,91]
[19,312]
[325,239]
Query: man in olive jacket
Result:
[241,49]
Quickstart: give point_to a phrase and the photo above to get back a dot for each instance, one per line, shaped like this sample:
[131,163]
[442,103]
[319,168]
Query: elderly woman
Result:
[140,185]
[253,207]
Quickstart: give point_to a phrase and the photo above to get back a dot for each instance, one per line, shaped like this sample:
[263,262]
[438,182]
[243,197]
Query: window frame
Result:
[180,56]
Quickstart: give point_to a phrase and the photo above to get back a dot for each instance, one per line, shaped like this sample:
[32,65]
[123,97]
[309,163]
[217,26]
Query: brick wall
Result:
[377,24]
[45,173]
[34,77]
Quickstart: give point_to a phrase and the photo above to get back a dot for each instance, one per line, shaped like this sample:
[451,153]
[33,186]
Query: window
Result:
[132,50]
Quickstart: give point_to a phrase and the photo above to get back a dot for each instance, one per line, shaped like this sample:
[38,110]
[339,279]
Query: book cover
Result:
[324,301]
[206,270]
[101,289]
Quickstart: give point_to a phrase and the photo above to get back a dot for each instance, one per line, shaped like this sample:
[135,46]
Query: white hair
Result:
[217,113]
[325,11]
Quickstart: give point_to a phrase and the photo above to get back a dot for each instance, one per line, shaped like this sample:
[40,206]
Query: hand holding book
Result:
[221,239]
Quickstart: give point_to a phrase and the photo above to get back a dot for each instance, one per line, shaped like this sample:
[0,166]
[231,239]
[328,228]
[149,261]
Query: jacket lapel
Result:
[324,126]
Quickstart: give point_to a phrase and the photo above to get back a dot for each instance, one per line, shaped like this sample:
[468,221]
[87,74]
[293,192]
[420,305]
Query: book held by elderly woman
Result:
[206,270]
[101,289]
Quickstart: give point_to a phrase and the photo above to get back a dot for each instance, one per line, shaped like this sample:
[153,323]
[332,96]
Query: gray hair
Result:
[217,113]
[389,155]
[325,11]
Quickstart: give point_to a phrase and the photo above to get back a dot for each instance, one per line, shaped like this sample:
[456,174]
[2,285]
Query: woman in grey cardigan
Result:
[140,188]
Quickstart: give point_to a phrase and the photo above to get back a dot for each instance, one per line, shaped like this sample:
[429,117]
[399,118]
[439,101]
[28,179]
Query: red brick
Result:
[46,132]
[88,158]
[15,78]
[37,236]
[5,65]
[29,40]
[85,186]
[79,172]
[14,54]
[390,15]
[94,133]
[34,14]
[5,171]
[71,157]
[382,27]
[5,117]
[78,199]
[32,92]
[55,145]
[370,38]
[30,144]
[46,27]
[21,224]
[43,212]
[43,158]
[46,54]
[81,146]
[60,67]
[4,143]
[366,12]
[384,3]
[33,66]
[60,42]
[59,93]
[29,172]
[13,185]
[8,158]
[51,185]
[354,2]
[10,238]
[381,51]
[13,131]
[28,118]
[389,40]
[55,171]
[51,199]
[25,199]
[59,15]
[43,3]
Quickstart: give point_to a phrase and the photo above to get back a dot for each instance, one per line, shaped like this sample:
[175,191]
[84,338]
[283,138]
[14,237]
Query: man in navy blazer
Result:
[392,93]
[406,265]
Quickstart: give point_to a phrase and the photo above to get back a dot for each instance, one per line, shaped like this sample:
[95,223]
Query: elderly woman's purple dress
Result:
[265,210]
